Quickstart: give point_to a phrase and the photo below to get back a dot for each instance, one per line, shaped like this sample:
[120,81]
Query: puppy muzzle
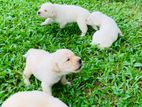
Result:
[79,68]
[80,64]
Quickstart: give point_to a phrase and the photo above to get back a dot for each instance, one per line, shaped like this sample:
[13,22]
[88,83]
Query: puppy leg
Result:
[83,26]
[46,88]
[47,21]
[26,75]
[64,81]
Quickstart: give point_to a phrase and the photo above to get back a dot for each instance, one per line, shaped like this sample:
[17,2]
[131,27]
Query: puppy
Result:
[49,68]
[64,14]
[108,30]
[33,99]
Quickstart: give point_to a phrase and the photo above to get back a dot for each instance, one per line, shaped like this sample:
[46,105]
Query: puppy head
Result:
[46,10]
[94,19]
[66,61]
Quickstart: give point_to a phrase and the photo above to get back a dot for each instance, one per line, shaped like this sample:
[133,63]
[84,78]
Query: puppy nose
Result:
[38,13]
[79,61]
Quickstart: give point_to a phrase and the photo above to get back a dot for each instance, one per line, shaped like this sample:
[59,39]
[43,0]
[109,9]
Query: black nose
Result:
[38,13]
[79,61]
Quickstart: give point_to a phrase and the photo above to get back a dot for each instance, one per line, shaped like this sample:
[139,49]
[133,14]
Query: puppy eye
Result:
[68,59]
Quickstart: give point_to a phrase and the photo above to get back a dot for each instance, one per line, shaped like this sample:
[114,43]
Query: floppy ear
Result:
[53,14]
[52,11]
[56,68]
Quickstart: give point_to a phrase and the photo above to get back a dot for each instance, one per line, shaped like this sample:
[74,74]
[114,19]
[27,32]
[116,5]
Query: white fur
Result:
[108,30]
[33,99]
[49,68]
[64,14]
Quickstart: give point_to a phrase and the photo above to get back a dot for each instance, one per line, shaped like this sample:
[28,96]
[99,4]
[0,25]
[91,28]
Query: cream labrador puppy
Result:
[33,99]
[49,68]
[108,30]
[64,14]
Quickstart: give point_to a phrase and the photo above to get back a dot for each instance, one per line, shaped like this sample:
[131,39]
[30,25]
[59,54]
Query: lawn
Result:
[109,78]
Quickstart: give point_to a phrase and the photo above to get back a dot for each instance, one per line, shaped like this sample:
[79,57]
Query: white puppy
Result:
[108,30]
[33,99]
[64,14]
[49,68]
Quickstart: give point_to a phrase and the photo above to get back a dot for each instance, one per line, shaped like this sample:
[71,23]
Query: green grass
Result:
[109,78]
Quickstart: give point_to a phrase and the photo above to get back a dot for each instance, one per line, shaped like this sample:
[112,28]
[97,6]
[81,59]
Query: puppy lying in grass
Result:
[49,68]
[64,14]
[108,30]
[33,99]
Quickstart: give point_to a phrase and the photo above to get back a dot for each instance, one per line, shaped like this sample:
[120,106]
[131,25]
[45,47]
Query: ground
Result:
[109,78]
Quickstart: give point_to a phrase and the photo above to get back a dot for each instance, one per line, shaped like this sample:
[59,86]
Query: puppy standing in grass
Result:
[108,30]
[64,14]
[33,99]
[49,68]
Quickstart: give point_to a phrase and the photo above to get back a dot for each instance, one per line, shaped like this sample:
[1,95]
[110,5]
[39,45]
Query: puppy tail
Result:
[27,54]
[120,33]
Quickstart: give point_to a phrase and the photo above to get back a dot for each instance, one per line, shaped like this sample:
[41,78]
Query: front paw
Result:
[42,24]
[82,34]
[66,82]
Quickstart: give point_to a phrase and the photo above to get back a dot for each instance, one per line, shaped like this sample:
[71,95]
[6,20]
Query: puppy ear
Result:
[56,68]
[52,11]
[53,14]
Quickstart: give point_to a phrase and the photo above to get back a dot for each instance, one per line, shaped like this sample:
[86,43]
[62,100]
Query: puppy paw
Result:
[66,83]
[42,24]
[82,35]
